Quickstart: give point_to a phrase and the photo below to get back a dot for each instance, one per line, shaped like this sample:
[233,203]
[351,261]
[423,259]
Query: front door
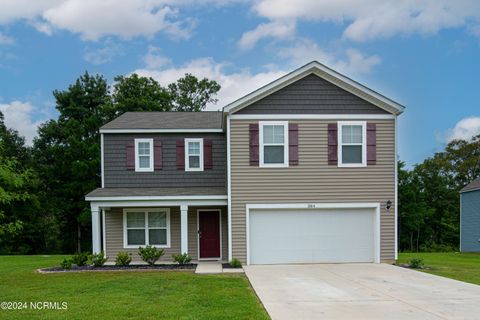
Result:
[209,234]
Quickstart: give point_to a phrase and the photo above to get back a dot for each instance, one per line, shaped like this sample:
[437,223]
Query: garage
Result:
[326,235]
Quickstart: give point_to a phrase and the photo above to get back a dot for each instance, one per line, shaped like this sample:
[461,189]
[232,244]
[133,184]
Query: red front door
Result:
[209,234]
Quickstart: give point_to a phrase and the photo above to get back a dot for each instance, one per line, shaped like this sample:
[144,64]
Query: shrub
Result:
[235,263]
[123,259]
[98,259]
[150,254]
[415,263]
[80,259]
[66,264]
[181,258]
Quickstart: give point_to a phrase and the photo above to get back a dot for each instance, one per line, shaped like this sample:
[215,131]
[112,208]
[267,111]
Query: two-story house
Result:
[302,170]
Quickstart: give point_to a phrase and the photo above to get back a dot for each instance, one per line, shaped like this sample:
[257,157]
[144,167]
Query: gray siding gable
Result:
[312,95]
[117,176]
[470,221]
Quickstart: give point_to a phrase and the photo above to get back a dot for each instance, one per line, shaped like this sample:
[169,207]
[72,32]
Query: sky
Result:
[422,54]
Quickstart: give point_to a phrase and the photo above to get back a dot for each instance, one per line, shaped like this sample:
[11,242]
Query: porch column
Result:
[184,227]
[96,229]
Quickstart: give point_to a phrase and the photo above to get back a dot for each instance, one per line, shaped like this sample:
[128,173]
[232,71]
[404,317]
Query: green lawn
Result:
[455,265]
[117,295]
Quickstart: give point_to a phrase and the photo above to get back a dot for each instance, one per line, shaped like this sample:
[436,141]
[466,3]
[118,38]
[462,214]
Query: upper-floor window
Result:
[143,154]
[352,151]
[193,154]
[273,143]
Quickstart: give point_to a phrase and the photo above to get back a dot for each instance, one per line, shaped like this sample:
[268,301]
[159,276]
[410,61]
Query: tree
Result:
[13,145]
[429,196]
[191,94]
[67,153]
[134,93]
[11,184]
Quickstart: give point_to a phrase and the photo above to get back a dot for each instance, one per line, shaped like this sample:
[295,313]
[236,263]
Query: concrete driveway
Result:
[361,291]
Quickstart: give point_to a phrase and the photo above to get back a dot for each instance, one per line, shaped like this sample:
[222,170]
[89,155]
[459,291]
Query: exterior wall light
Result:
[389,204]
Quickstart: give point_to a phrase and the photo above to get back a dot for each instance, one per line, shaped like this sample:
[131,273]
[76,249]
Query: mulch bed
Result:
[122,268]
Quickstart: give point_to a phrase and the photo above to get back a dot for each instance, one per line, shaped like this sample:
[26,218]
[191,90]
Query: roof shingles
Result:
[167,120]
[474,185]
[157,192]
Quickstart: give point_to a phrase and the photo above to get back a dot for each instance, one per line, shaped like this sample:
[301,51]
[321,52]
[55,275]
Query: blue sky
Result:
[423,54]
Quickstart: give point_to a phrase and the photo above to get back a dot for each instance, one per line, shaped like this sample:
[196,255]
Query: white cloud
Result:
[234,84]
[6,40]
[11,10]
[372,19]
[274,29]
[154,58]
[465,129]
[305,50]
[20,116]
[94,19]
[104,54]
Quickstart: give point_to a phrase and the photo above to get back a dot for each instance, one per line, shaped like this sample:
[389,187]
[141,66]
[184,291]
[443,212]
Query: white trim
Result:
[198,235]
[396,190]
[285,163]
[460,223]
[161,130]
[137,163]
[156,203]
[146,211]
[312,116]
[323,72]
[316,206]
[104,233]
[184,228]
[142,198]
[340,124]
[102,160]
[229,190]
[95,229]
[187,155]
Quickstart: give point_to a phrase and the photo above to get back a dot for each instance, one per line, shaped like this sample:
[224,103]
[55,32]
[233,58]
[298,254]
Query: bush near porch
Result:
[122,295]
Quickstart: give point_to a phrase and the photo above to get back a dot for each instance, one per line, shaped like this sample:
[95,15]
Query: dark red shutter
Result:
[254,144]
[130,158]
[332,144]
[207,154]
[180,154]
[371,143]
[157,154]
[293,144]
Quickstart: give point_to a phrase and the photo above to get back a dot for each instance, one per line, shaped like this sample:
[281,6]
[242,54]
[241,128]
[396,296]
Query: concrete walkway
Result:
[361,291]
[209,267]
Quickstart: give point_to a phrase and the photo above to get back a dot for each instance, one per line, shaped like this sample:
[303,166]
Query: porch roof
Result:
[156,192]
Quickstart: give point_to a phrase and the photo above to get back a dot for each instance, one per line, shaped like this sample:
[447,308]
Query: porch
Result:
[192,224]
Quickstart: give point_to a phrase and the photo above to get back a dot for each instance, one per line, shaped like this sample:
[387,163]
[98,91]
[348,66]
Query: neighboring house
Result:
[302,170]
[470,217]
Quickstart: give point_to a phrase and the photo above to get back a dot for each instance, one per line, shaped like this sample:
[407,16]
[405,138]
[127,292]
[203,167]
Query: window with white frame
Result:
[146,227]
[352,143]
[193,154]
[143,154]
[273,143]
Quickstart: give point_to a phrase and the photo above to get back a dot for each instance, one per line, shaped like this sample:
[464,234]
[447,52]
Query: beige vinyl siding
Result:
[114,234]
[313,180]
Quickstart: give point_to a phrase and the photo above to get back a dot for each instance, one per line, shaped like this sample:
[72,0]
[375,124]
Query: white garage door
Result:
[312,236]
